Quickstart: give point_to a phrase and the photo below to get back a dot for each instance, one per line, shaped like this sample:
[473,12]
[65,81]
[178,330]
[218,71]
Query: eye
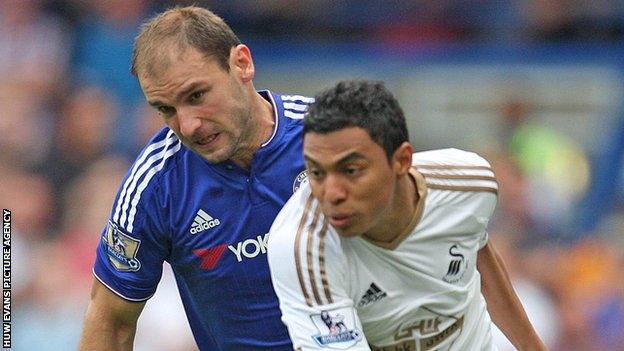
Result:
[196,96]
[353,170]
[315,173]
[165,111]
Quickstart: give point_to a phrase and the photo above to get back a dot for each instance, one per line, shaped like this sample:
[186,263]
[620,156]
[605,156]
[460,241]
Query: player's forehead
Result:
[176,62]
[177,72]
[341,146]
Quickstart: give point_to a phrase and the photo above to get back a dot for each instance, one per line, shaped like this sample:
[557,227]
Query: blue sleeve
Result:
[134,244]
[130,262]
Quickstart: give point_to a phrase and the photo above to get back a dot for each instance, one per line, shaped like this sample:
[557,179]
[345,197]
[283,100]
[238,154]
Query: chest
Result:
[220,222]
[421,287]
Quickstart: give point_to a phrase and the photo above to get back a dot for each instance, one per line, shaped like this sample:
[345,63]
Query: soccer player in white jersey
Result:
[387,249]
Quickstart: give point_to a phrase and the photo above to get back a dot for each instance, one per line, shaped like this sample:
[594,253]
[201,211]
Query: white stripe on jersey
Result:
[293,115]
[133,173]
[454,172]
[490,183]
[459,177]
[145,181]
[309,251]
[297,97]
[295,107]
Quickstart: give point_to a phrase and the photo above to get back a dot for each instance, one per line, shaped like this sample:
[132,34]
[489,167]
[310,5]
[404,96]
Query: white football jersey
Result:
[420,292]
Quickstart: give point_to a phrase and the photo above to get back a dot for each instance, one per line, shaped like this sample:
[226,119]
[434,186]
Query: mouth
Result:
[207,140]
[340,220]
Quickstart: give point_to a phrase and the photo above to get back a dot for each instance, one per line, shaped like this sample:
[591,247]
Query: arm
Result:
[316,309]
[110,321]
[502,302]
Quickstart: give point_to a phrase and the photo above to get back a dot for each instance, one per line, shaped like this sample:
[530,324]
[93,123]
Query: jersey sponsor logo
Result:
[203,221]
[336,329]
[121,249]
[457,266]
[407,345]
[250,248]
[436,333]
[300,180]
[422,326]
[373,294]
[210,256]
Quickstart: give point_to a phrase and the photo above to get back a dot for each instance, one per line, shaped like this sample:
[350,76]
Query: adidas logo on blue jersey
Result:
[203,221]
[371,295]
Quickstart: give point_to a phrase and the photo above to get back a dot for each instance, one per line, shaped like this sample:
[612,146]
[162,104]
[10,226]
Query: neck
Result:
[400,214]
[260,129]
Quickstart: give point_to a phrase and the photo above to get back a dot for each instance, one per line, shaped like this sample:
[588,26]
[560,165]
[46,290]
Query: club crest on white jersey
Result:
[457,267]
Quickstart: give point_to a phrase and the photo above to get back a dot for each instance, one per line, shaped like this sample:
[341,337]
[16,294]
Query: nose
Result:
[333,190]
[188,122]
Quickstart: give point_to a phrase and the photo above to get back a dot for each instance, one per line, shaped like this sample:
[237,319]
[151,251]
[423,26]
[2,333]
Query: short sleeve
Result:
[133,244]
[309,280]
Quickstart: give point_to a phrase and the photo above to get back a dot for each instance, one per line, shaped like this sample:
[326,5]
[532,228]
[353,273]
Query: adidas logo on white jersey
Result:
[203,221]
[371,295]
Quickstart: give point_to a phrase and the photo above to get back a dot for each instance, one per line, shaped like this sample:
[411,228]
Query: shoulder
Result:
[295,105]
[449,158]
[292,108]
[160,153]
[295,211]
[304,252]
[458,177]
[141,182]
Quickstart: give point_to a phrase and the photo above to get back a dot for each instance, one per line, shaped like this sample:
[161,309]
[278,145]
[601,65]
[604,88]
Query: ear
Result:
[242,63]
[402,159]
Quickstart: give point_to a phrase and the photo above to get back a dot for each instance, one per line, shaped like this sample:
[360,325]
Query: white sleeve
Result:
[308,278]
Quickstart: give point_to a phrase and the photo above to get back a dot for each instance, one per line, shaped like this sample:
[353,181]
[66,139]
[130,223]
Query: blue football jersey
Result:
[210,222]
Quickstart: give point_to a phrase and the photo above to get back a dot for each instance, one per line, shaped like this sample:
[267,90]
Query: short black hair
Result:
[359,103]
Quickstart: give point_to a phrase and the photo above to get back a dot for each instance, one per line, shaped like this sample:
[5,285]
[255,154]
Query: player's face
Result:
[351,178]
[205,105]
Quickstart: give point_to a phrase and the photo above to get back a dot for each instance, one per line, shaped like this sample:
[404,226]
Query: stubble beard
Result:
[237,144]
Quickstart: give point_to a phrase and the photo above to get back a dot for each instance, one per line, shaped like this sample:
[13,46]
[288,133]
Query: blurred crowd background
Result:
[534,85]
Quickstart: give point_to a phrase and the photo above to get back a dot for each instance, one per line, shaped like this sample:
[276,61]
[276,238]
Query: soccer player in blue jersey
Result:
[202,194]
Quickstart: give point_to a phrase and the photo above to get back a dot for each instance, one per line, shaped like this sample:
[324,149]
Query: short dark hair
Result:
[359,103]
[190,26]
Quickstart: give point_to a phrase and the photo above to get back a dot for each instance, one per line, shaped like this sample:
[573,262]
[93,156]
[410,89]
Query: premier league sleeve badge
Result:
[121,249]
[337,329]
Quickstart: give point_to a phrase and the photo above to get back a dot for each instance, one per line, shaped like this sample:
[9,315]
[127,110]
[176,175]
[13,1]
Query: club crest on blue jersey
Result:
[301,179]
[336,329]
[121,249]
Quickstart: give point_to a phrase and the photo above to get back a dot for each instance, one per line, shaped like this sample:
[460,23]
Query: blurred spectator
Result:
[83,134]
[608,182]
[34,47]
[514,234]
[86,203]
[25,126]
[555,167]
[103,53]
[591,296]
[51,318]
[29,196]
[537,301]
